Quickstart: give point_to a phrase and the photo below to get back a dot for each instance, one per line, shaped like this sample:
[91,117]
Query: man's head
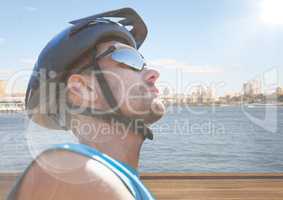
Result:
[130,93]
[134,90]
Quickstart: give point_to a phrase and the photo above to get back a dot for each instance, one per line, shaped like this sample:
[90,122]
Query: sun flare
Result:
[272,11]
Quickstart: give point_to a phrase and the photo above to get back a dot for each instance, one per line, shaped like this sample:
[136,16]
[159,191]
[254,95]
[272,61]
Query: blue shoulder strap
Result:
[127,174]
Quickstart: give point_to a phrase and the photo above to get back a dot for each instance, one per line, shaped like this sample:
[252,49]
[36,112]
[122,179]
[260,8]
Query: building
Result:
[256,87]
[2,88]
[252,88]
[202,95]
[247,89]
[279,91]
[166,92]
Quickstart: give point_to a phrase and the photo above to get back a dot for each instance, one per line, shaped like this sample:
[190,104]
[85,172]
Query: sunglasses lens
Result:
[129,57]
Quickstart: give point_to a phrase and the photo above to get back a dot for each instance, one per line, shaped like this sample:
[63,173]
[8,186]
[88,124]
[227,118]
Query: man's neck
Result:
[117,141]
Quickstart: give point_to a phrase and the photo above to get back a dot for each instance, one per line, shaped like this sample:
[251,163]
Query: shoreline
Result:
[192,105]
[226,105]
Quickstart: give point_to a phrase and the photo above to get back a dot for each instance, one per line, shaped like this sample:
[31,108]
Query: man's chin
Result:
[149,111]
[156,112]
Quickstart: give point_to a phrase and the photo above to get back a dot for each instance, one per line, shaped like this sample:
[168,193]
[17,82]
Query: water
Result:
[202,139]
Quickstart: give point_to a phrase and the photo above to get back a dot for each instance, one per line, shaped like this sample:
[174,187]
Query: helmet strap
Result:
[116,115]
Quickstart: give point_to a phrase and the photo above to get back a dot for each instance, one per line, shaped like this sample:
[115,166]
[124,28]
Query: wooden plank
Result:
[148,176]
[215,186]
[202,186]
[257,189]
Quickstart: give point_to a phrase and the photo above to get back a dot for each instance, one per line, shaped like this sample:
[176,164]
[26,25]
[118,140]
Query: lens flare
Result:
[272,11]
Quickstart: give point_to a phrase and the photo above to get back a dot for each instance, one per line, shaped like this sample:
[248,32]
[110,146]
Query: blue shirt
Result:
[126,173]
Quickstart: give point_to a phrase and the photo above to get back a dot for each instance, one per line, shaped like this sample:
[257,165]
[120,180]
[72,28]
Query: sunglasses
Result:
[125,55]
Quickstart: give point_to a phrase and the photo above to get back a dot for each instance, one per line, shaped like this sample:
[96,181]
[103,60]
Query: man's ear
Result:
[80,91]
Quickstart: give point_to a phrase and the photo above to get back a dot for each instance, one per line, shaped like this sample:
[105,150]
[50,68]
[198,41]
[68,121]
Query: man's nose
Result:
[151,75]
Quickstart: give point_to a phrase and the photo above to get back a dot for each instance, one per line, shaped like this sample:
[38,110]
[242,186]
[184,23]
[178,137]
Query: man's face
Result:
[135,91]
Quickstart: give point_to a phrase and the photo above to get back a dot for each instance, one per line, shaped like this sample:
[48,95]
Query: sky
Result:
[219,42]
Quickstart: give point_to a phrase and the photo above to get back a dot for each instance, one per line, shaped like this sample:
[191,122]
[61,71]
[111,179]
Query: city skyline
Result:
[251,87]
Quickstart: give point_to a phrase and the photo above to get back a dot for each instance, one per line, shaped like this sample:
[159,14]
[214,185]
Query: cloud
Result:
[197,69]
[2,40]
[30,8]
[28,61]
[4,73]
[7,73]
[16,80]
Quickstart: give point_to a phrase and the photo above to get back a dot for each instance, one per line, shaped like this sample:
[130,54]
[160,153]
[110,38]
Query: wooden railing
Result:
[213,186]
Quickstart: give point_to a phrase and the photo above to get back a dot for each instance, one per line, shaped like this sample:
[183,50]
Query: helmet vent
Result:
[114,19]
[129,27]
[123,16]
